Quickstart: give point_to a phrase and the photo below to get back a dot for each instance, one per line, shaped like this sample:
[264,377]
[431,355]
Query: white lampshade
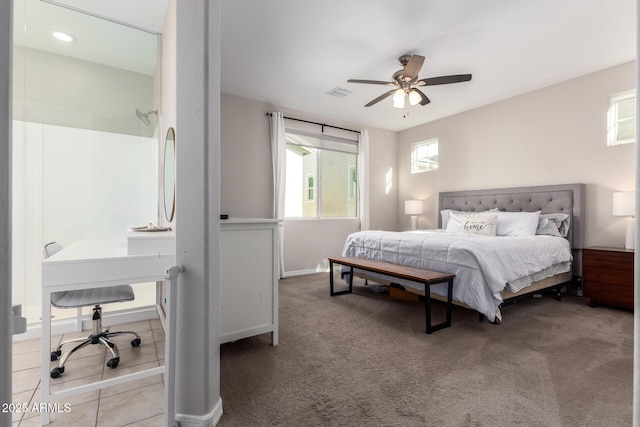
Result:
[414,97]
[398,98]
[624,203]
[413,207]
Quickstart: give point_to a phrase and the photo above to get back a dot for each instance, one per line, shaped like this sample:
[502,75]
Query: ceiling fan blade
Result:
[443,80]
[412,69]
[371,82]
[381,97]
[424,100]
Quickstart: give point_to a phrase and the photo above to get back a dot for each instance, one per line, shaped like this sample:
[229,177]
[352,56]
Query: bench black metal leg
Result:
[449,300]
[346,291]
[427,308]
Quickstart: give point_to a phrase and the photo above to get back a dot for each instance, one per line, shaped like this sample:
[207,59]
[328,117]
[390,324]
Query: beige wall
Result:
[61,90]
[247,180]
[554,135]
[551,136]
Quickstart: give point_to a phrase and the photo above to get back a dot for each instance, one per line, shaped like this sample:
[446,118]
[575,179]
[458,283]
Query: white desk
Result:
[97,263]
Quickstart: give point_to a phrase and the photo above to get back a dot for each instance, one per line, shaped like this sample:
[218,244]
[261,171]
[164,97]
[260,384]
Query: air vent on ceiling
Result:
[339,92]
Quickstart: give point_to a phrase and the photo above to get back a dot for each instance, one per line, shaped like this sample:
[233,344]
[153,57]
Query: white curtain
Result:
[363,179]
[279,156]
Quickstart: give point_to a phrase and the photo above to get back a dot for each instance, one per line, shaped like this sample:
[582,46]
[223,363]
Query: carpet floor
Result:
[364,359]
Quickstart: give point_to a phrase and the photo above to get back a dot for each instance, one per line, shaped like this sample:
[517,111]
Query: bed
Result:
[489,270]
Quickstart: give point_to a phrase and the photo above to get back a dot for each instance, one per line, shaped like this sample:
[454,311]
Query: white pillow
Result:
[446,212]
[484,224]
[517,223]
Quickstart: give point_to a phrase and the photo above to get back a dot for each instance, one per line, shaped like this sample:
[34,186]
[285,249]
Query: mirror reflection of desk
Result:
[90,264]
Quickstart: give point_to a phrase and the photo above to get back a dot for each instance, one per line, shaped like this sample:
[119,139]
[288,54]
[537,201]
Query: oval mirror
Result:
[169,174]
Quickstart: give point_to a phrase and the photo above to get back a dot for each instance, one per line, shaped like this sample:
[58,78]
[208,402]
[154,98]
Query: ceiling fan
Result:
[405,83]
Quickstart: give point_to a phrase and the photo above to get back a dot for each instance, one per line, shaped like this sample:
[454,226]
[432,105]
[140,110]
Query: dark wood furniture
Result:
[426,277]
[607,276]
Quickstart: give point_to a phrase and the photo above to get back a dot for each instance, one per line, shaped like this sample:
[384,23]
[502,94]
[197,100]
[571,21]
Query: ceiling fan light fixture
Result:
[398,98]
[406,83]
[414,97]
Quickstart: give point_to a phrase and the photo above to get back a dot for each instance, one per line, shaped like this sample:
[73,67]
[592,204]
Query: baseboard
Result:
[303,272]
[69,325]
[209,420]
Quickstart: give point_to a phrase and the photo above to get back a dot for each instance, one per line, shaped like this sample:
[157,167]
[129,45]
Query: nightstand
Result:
[607,276]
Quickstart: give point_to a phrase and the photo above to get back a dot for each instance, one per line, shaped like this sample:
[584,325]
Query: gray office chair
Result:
[88,297]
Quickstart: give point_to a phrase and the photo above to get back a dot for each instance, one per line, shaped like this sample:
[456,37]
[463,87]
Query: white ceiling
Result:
[291,52]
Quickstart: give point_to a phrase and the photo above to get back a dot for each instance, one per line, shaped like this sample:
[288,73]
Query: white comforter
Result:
[483,265]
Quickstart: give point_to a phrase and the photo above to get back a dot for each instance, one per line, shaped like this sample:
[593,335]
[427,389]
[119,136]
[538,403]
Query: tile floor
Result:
[137,403]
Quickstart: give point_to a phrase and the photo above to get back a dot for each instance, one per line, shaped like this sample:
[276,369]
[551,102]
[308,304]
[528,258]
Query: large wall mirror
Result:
[169,174]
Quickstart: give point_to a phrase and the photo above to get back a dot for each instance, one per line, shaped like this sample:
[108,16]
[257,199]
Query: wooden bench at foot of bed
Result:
[426,277]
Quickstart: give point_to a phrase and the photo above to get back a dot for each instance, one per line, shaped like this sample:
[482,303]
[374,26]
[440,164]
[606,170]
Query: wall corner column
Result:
[6,49]
[198,401]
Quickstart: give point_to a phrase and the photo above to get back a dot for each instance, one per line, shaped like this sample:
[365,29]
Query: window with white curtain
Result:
[321,180]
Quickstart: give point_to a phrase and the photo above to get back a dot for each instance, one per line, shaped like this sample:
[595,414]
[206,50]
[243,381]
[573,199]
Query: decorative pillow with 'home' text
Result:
[484,224]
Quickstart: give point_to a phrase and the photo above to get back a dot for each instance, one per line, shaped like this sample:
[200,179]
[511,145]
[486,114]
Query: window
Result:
[321,176]
[424,156]
[310,188]
[353,182]
[621,120]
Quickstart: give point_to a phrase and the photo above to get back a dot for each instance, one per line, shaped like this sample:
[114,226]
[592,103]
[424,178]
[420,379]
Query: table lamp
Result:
[413,208]
[624,204]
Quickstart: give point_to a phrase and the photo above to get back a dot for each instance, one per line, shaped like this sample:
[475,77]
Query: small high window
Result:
[621,119]
[424,156]
[310,188]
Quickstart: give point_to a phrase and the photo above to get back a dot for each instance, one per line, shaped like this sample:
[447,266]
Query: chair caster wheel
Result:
[57,372]
[113,363]
[55,355]
[136,342]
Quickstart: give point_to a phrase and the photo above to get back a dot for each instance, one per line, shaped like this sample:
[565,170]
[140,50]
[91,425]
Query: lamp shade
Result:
[413,207]
[398,98]
[624,203]
[414,97]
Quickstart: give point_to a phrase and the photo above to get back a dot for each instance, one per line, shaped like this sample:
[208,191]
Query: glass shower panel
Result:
[85,159]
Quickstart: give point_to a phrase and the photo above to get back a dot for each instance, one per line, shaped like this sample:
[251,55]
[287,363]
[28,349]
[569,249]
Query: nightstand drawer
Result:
[609,288]
[606,261]
[610,278]
[607,276]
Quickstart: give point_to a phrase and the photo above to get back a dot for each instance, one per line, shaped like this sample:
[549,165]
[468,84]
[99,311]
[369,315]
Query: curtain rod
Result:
[319,124]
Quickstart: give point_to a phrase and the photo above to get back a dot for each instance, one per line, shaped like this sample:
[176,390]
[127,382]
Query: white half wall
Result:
[71,184]
[556,135]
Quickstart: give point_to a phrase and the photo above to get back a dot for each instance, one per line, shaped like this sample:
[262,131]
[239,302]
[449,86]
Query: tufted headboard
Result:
[566,198]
